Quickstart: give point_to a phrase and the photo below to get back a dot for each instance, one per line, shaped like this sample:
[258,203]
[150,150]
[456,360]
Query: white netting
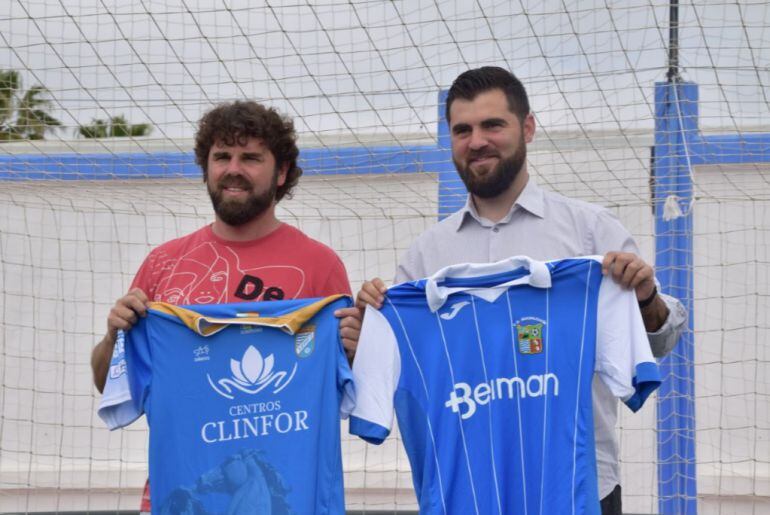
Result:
[363,74]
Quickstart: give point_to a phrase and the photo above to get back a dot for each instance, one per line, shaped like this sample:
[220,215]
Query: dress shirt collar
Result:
[531,199]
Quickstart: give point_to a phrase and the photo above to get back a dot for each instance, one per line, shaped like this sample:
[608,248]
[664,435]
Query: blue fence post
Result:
[676,128]
[451,190]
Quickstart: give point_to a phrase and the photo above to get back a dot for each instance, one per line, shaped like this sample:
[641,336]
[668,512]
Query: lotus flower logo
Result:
[251,375]
[252,369]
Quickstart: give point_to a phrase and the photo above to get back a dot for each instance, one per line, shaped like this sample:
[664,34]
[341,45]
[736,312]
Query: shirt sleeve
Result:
[410,266]
[128,378]
[624,360]
[376,372]
[337,280]
[144,278]
[610,235]
[664,339]
[403,272]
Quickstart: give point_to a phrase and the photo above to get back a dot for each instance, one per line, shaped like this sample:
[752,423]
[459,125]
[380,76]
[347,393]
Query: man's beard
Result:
[497,180]
[237,212]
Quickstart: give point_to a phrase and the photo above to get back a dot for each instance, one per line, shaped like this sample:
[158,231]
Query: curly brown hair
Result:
[234,123]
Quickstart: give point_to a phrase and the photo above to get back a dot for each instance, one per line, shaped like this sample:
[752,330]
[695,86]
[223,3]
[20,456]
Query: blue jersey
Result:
[243,405]
[489,371]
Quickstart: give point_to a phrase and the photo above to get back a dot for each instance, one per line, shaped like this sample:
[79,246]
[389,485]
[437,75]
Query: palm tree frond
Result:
[23,115]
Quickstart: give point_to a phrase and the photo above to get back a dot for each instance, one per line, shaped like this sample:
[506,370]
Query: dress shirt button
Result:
[495,229]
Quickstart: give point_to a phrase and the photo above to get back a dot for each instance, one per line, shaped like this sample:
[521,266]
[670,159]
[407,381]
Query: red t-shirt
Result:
[201,268]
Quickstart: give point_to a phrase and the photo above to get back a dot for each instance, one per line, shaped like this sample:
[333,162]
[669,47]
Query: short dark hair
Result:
[234,123]
[471,83]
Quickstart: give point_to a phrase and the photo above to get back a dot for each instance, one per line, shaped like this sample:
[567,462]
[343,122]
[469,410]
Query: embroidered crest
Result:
[530,336]
[304,342]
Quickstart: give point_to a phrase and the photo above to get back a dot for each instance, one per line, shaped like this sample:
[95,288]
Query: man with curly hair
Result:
[248,154]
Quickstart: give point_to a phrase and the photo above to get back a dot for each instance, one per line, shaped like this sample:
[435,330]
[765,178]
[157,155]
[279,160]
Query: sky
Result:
[375,67]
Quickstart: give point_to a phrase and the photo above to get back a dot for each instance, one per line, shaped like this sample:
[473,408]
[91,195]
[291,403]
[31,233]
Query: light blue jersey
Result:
[243,404]
[489,370]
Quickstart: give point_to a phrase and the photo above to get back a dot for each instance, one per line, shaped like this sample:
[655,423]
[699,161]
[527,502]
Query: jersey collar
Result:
[289,323]
[481,280]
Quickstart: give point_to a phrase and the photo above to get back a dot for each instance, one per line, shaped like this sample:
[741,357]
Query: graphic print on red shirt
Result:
[201,268]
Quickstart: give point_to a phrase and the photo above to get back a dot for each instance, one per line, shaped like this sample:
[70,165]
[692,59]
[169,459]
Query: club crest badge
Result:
[530,335]
[304,342]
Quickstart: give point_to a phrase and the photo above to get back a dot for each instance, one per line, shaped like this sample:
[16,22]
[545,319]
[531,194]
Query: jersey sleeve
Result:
[376,372]
[624,360]
[610,235]
[128,378]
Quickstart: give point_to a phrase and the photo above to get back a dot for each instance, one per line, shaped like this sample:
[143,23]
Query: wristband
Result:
[646,302]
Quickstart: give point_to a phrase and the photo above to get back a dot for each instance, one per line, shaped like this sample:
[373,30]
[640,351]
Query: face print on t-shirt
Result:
[210,274]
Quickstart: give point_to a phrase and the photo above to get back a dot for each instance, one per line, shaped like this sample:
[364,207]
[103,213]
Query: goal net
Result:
[362,82]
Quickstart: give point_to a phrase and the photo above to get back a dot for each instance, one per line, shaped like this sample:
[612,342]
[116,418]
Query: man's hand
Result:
[350,329]
[372,293]
[123,315]
[126,312]
[631,271]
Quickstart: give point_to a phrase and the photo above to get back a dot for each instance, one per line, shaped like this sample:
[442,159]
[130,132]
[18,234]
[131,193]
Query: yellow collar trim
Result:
[206,326]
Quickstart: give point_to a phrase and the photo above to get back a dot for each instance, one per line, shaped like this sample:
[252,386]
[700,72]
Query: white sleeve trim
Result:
[376,370]
[621,339]
[116,408]
[118,411]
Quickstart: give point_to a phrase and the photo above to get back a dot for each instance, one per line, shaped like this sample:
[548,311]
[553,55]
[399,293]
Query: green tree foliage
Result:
[23,114]
[115,127]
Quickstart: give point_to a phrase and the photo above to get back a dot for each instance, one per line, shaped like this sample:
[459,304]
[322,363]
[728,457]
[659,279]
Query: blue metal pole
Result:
[451,190]
[676,129]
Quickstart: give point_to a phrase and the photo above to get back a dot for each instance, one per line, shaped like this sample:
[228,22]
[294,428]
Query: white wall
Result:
[69,249]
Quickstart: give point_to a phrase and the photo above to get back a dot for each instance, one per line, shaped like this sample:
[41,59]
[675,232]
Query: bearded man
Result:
[507,214]
[248,155]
